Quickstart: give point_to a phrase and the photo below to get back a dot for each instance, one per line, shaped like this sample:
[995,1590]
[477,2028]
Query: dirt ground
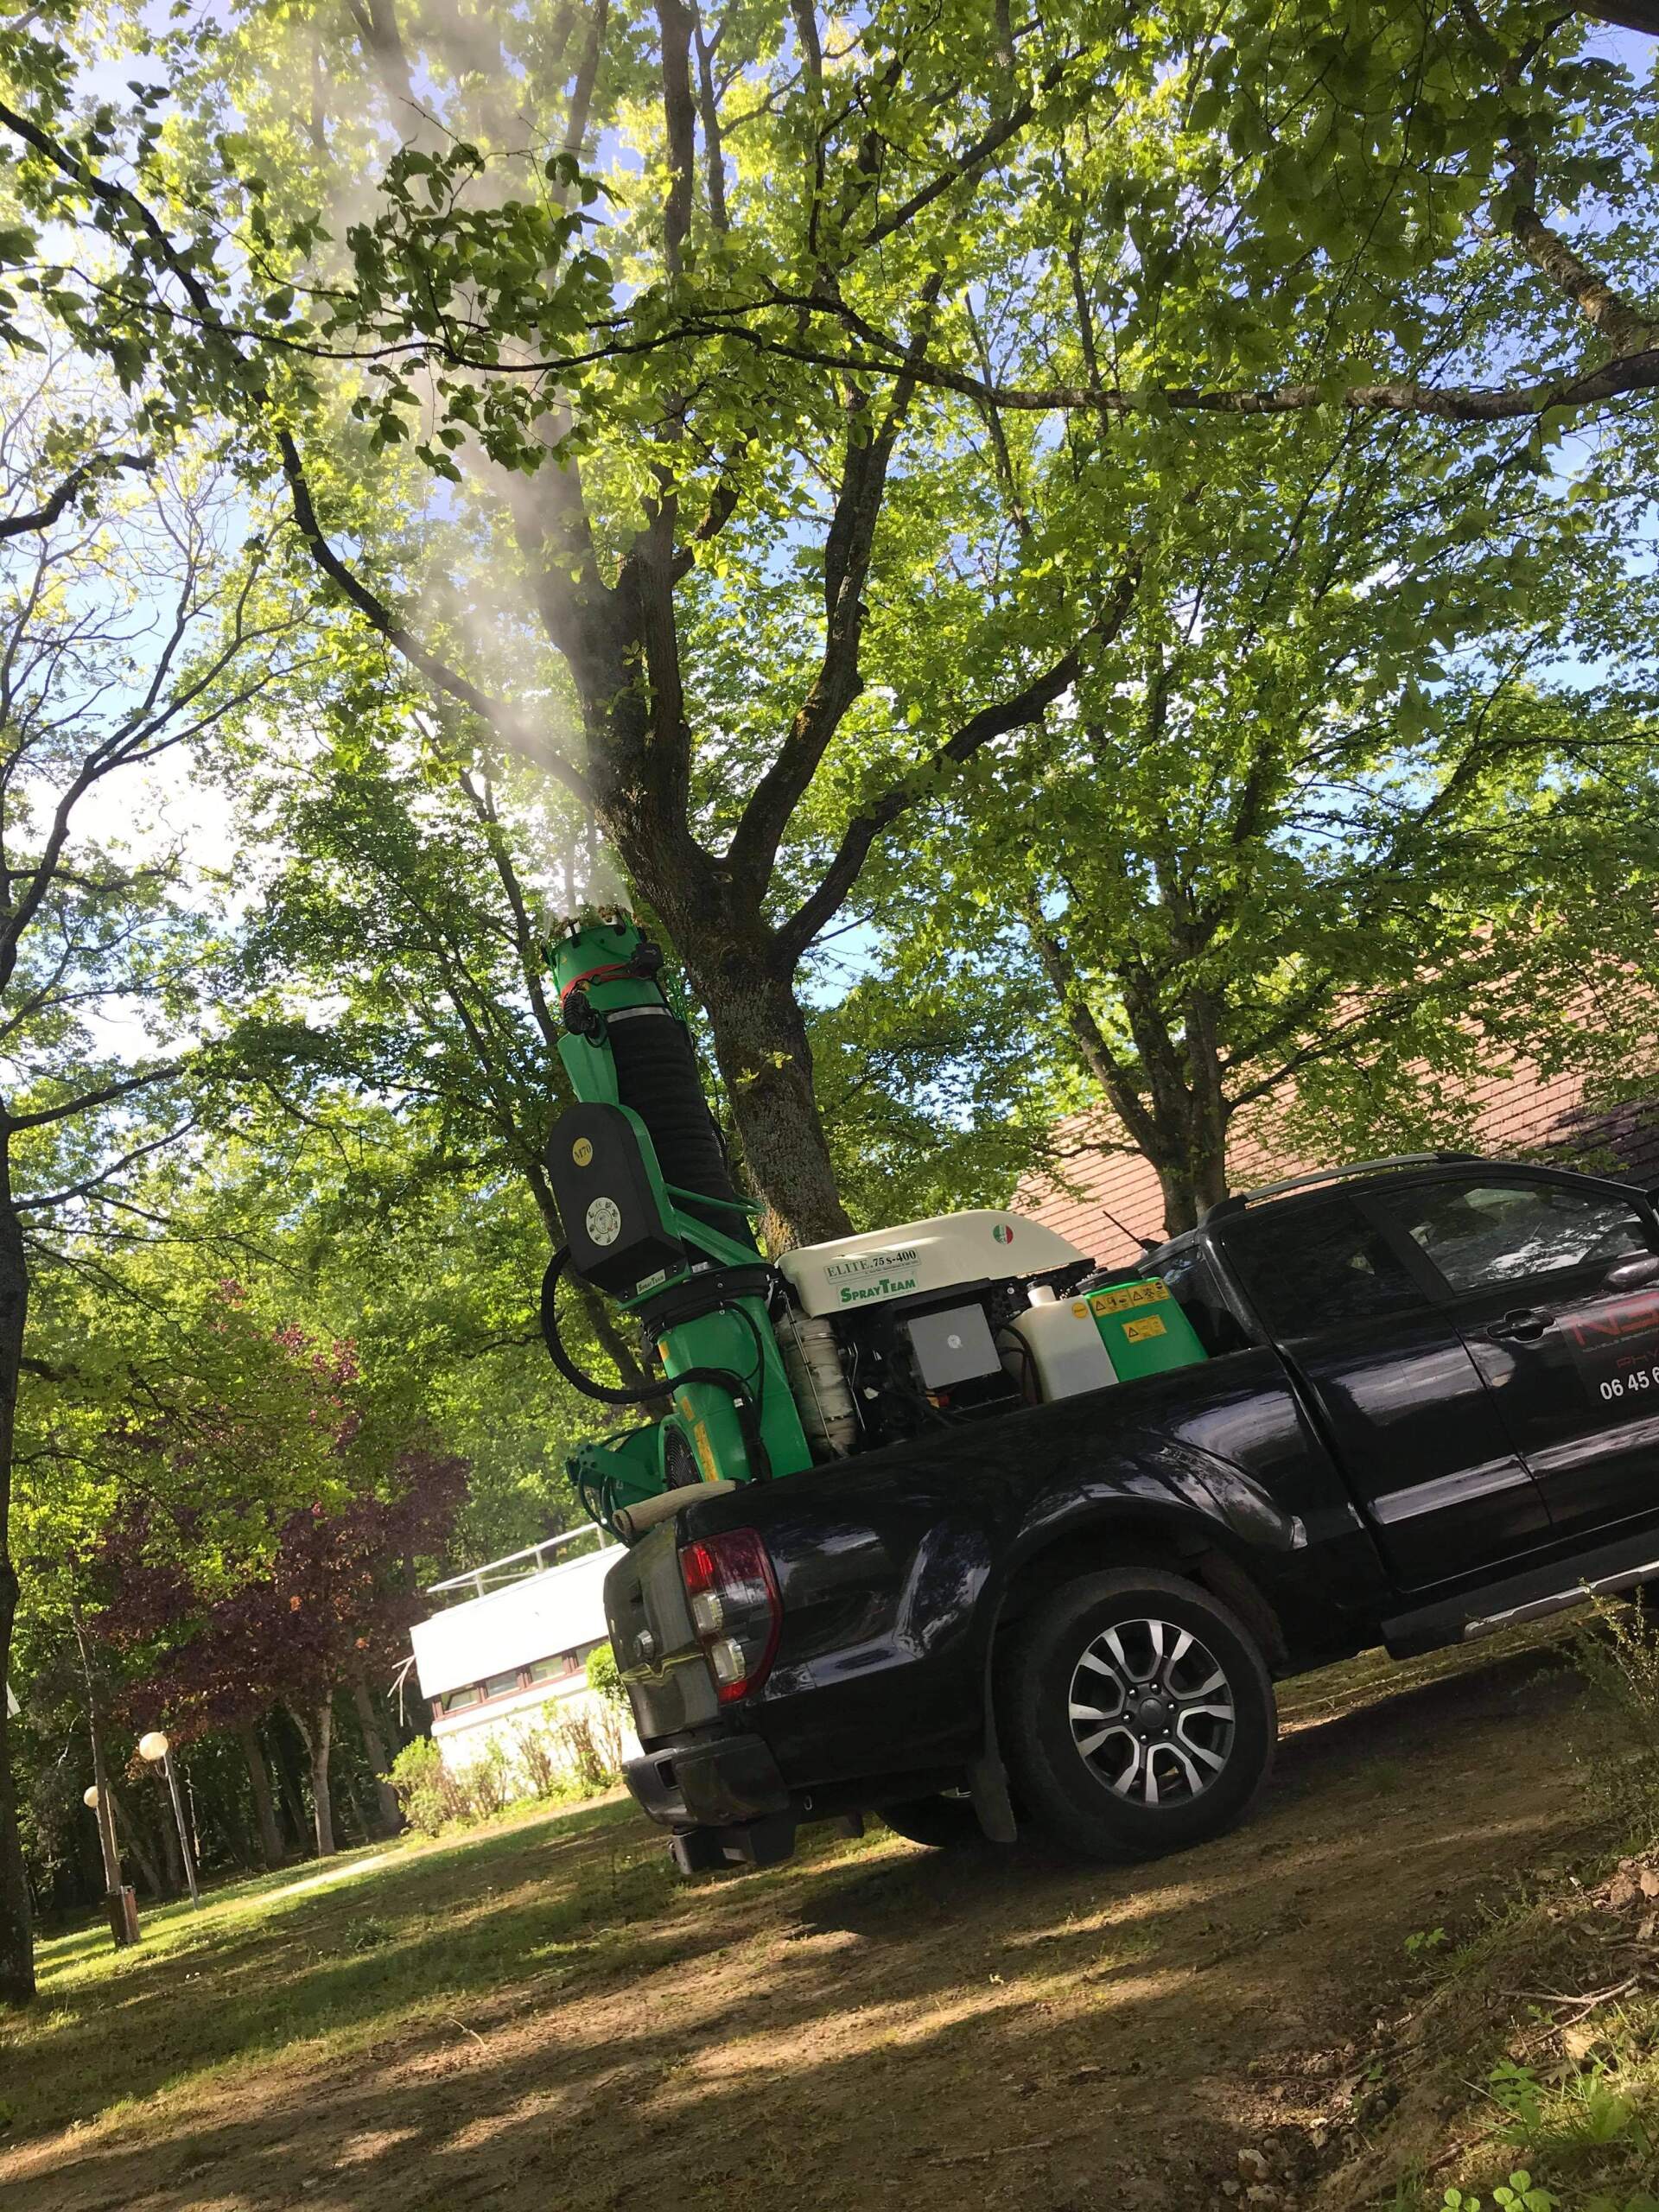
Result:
[876,2025]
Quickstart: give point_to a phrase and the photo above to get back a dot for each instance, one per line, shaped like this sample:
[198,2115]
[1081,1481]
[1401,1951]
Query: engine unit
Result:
[955,1317]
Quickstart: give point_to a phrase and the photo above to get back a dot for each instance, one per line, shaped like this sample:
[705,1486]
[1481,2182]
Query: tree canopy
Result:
[891,351]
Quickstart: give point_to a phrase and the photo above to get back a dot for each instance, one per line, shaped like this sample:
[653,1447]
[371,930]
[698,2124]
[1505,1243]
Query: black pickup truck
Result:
[1431,1409]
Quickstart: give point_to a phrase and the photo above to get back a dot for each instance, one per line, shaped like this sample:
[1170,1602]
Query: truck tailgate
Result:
[658,1653]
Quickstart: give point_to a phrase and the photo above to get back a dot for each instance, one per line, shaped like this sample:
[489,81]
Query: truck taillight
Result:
[736,1608]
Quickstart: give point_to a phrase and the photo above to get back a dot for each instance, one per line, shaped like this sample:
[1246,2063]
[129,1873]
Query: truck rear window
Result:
[1313,1266]
[1191,1275]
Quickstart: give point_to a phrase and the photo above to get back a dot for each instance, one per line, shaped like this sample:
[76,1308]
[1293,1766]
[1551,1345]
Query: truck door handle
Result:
[1522,1321]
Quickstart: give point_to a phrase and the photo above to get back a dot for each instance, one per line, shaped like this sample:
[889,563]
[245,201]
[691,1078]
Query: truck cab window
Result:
[1482,1232]
[1313,1266]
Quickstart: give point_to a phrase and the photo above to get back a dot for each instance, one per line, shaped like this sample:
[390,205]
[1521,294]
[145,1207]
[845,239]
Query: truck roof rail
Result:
[1224,1208]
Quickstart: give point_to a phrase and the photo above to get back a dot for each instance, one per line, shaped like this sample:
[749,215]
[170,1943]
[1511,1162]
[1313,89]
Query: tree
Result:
[447,1009]
[133,619]
[332,1604]
[166,1409]
[169,1397]
[779,399]
[941,1082]
[1375,807]
[395,1227]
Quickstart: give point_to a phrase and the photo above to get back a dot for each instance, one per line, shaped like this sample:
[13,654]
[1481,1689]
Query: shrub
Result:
[566,1754]
[589,1741]
[428,1796]
[605,1678]
[538,1755]
[489,1782]
[1617,1652]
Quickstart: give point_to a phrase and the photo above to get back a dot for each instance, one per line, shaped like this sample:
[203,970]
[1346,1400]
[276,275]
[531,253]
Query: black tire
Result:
[1081,1740]
[942,1823]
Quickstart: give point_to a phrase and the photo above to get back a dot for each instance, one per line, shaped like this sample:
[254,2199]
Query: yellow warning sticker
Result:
[582,1151]
[1136,1332]
[1132,1294]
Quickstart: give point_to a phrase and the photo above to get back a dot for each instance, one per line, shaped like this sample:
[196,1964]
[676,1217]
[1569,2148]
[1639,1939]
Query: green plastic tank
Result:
[1142,1327]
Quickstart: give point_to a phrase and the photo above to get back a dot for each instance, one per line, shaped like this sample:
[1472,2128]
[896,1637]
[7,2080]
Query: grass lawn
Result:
[336,1957]
[540,2017]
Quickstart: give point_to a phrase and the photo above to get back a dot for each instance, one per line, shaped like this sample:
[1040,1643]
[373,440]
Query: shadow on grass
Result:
[546,2002]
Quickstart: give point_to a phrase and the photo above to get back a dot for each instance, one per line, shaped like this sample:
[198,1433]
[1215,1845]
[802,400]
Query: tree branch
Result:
[1628,332]
[91,1183]
[1577,387]
[847,553]
[1017,712]
[83,1102]
[969,164]
[129,205]
[42,517]
[714,152]
[1099,1056]
[494,713]
[675,21]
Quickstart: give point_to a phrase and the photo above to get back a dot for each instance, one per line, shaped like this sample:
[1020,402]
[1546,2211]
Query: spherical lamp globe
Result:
[153,1747]
[89,1799]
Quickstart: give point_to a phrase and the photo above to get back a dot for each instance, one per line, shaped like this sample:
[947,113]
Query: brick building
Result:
[1520,1115]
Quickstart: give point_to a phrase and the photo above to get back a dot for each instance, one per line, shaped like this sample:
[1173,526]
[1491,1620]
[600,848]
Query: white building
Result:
[507,1654]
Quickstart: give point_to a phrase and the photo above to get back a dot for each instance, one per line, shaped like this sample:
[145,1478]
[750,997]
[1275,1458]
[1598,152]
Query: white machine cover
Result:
[985,1245]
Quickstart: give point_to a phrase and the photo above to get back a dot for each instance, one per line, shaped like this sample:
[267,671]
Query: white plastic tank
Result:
[1057,1350]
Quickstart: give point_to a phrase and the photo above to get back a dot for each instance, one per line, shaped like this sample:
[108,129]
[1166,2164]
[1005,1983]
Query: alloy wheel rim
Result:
[1151,1712]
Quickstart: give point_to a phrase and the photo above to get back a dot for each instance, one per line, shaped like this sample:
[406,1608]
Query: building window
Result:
[559,1668]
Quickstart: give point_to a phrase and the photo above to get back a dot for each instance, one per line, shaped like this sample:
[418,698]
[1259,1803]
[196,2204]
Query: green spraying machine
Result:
[769,1369]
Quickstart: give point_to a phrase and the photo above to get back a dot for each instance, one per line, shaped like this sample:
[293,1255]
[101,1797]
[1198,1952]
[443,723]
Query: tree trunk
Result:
[351,1824]
[1192,1182]
[264,1810]
[318,1729]
[374,1743]
[766,1062]
[288,1783]
[139,1844]
[16,1934]
[103,1799]
[227,1816]
[1169,1098]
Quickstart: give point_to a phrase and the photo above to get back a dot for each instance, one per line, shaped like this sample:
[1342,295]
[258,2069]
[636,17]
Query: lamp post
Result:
[155,1748]
[117,1898]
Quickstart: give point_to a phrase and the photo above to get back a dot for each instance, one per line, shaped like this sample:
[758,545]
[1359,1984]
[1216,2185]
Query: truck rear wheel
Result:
[1136,1715]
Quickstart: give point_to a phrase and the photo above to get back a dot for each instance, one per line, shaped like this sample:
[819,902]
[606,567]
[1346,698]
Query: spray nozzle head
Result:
[614,914]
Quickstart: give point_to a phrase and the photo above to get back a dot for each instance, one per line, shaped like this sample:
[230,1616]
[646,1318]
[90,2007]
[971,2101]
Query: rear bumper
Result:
[714,1785]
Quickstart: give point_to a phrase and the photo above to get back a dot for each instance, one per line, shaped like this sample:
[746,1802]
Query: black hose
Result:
[639,1394]
[656,1077]
[609,1394]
